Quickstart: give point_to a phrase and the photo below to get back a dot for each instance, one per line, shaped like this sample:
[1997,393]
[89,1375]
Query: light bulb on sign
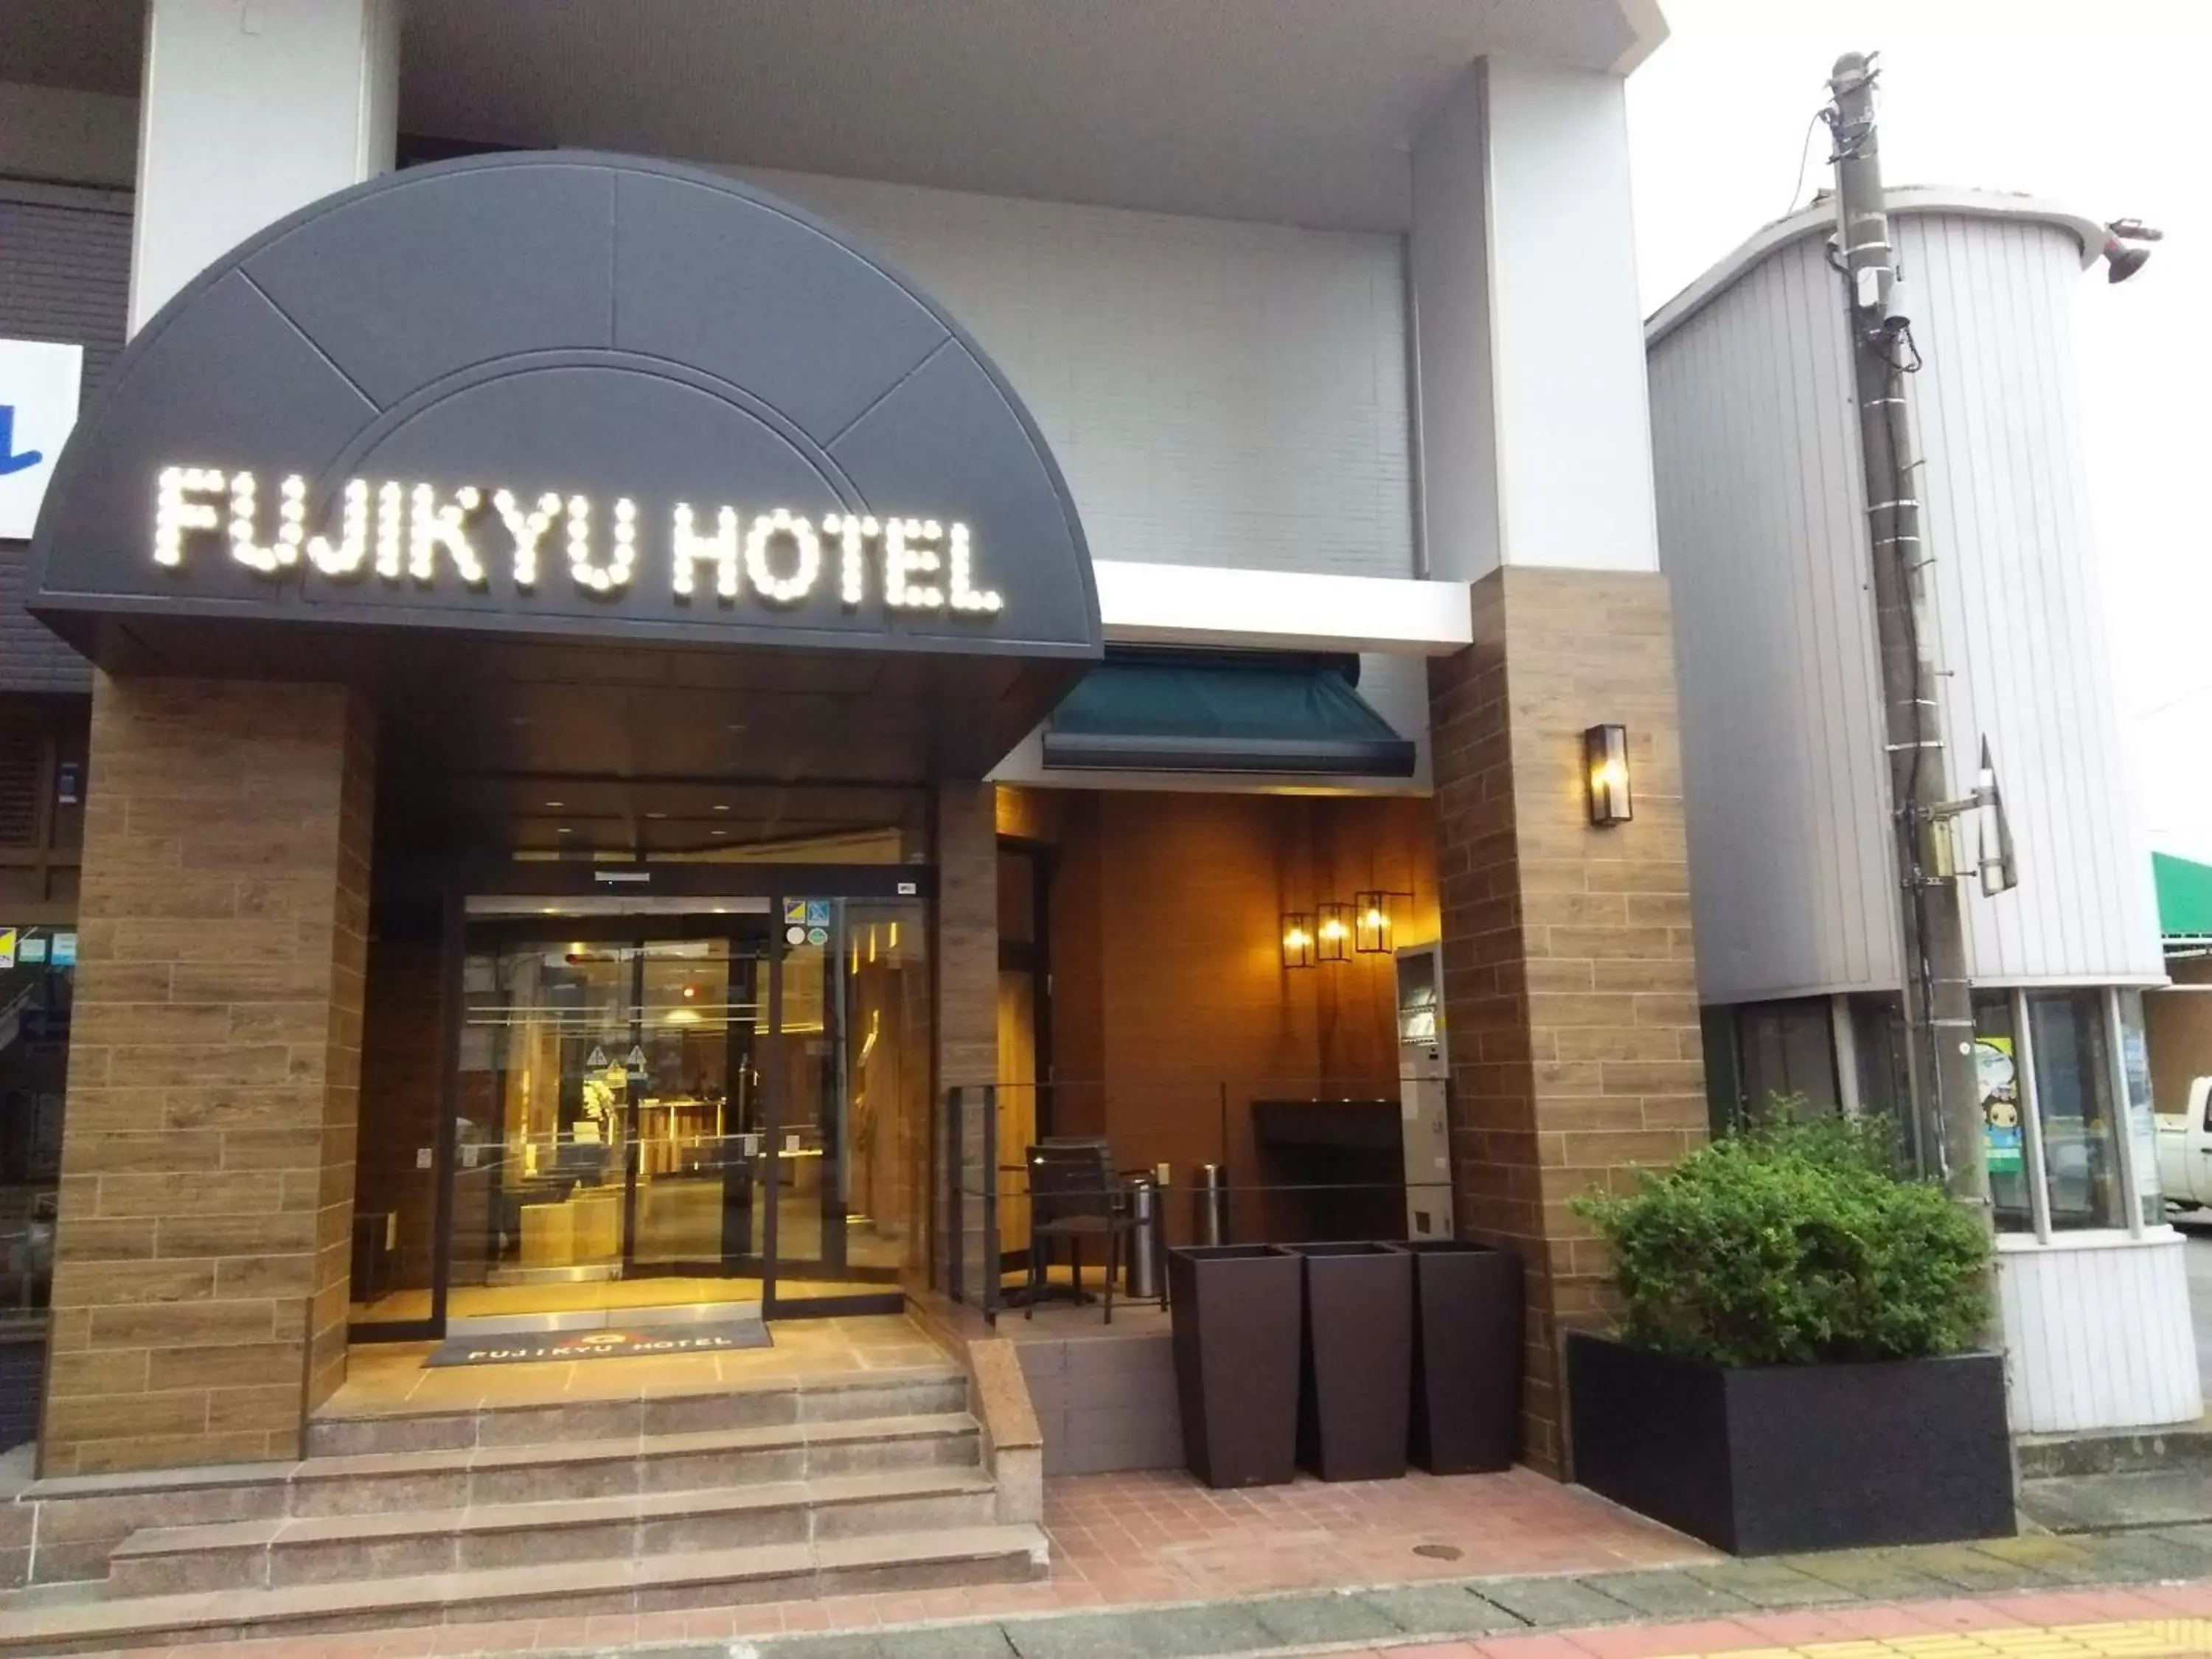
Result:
[175,512]
[791,588]
[412,531]
[719,549]
[344,560]
[528,530]
[433,525]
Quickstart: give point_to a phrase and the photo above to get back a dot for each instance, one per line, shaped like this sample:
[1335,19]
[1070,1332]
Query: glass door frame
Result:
[638,930]
[454,883]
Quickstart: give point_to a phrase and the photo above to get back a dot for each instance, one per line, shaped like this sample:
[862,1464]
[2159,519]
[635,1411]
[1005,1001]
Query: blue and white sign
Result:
[39,384]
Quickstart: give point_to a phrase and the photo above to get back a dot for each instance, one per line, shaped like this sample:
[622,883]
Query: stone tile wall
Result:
[1105,1400]
[1570,984]
[966,966]
[207,1169]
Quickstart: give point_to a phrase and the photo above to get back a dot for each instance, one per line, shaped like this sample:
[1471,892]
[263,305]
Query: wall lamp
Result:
[1298,938]
[1374,922]
[1604,758]
[1333,938]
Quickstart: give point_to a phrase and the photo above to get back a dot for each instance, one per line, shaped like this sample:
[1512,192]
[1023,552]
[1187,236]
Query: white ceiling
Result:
[1295,111]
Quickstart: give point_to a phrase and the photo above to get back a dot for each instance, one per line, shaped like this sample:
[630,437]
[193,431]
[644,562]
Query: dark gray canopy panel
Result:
[477,407]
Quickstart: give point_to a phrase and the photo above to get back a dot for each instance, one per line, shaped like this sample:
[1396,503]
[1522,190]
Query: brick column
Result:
[200,1282]
[1569,990]
[967,977]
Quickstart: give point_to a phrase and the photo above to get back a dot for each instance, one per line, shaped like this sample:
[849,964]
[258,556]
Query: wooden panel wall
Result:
[1167,972]
[402,1057]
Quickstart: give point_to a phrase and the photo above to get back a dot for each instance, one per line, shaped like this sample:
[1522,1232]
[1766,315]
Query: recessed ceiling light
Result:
[656,815]
[564,830]
[720,808]
[718,832]
[555,805]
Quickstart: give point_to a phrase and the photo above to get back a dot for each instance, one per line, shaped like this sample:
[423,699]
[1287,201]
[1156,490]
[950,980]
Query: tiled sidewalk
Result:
[2137,1594]
[1119,1538]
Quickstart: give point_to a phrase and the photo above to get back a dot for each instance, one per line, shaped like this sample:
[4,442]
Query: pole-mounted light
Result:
[2122,260]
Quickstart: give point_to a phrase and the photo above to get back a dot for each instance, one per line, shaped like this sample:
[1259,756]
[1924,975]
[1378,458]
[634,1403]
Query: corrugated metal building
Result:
[1762,535]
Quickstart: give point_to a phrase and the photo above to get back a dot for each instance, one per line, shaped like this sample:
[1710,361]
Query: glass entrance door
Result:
[608,1146]
[849,1083]
[679,1106]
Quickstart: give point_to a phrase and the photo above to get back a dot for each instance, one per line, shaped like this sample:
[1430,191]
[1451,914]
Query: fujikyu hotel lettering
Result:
[418,534]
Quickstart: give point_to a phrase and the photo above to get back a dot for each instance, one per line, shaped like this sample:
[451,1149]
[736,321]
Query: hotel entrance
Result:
[658,1108]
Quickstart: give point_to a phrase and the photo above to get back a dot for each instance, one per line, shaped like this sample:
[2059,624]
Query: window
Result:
[2142,1117]
[2074,1102]
[1787,1048]
[1885,1076]
[2004,1111]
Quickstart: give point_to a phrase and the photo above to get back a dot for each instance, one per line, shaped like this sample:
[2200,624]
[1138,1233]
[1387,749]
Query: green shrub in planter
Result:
[1794,1366]
[1792,1241]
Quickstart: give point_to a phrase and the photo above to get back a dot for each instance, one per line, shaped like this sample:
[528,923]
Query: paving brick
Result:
[1557,1603]
[1667,1594]
[1319,1620]
[1870,1574]
[2177,1553]
[1964,1567]
[1171,1633]
[1770,1583]
[1442,1610]
[944,1642]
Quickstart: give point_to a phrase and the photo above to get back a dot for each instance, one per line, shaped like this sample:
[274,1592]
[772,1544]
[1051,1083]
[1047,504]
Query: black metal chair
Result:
[1074,1196]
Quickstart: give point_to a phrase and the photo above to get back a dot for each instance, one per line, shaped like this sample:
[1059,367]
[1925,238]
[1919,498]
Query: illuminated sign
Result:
[411,534]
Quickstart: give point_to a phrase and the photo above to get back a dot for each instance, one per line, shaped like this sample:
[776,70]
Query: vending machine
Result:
[1422,1069]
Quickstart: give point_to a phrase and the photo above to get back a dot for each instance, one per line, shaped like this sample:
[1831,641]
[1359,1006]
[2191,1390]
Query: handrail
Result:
[981,1183]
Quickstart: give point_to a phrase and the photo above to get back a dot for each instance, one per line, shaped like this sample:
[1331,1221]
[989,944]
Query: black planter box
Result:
[1784,1458]
[1466,1356]
[1355,1394]
[1235,1311]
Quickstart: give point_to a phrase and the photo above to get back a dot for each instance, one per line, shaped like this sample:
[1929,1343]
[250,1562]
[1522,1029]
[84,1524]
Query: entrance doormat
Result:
[624,1342]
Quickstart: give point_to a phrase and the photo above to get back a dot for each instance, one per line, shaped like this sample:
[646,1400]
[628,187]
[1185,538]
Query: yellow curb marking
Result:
[2142,1639]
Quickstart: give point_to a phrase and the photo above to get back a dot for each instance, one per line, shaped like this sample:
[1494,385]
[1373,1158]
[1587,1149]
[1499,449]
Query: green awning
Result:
[1168,711]
[2184,896]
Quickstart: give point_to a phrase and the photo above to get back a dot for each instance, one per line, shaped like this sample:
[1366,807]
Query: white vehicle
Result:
[2185,1151]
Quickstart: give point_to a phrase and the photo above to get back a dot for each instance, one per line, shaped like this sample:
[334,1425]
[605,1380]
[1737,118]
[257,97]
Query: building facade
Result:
[1761,519]
[649,610]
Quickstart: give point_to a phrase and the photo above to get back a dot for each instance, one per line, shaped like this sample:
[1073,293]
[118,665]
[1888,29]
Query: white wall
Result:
[1573,425]
[1761,523]
[2019,593]
[252,112]
[1449,256]
[1217,393]
[1760,515]
[1535,435]
[62,137]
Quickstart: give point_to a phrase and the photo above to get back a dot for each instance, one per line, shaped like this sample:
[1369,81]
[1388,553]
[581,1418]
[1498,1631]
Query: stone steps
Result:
[457,1513]
[689,1462]
[82,1519]
[828,1566]
[321,1549]
[926,1392]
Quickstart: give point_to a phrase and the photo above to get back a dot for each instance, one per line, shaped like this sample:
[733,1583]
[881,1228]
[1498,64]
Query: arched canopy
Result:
[582,420]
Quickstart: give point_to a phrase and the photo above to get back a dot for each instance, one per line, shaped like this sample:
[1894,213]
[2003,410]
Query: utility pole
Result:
[1948,1129]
